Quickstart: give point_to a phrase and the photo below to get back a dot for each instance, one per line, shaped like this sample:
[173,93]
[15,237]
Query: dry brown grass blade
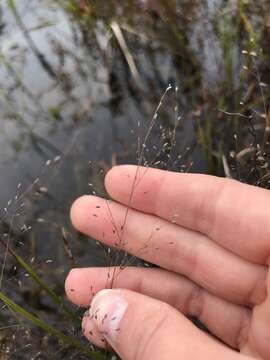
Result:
[124,47]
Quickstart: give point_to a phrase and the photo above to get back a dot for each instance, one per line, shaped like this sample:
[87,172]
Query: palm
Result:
[209,236]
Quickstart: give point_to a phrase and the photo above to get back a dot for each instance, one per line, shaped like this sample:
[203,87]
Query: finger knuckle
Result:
[149,336]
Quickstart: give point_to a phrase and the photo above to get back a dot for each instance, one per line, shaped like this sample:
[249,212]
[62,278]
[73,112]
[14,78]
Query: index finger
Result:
[233,214]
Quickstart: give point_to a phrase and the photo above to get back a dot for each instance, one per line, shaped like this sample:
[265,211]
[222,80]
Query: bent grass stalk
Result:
[118,264]
[115,262]
[133,187]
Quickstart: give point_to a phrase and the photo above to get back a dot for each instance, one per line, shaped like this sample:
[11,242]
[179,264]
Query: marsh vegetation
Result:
[80,84]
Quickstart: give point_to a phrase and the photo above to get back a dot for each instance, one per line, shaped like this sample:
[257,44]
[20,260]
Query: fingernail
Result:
[107,310]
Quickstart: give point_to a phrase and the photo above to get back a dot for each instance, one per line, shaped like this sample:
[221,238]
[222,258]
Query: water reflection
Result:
[55,81]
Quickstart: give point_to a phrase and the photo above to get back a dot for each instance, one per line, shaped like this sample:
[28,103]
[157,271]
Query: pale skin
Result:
[210,238]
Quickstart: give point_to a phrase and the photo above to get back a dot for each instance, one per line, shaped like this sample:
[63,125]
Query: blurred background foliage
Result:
[79,84]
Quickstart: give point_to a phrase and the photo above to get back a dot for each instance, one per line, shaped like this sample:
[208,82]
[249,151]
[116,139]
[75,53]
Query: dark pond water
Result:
[64,95]
[75,98]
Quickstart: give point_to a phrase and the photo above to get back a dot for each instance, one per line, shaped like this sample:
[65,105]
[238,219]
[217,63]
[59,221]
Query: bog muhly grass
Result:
[232,129]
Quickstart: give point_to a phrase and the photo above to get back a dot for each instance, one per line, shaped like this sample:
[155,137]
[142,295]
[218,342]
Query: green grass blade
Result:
[68,340]
[56,299]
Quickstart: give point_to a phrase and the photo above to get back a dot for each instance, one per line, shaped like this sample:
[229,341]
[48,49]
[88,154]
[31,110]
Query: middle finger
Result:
[172,247]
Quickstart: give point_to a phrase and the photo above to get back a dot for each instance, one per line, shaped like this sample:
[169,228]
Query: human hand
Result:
[211,239]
